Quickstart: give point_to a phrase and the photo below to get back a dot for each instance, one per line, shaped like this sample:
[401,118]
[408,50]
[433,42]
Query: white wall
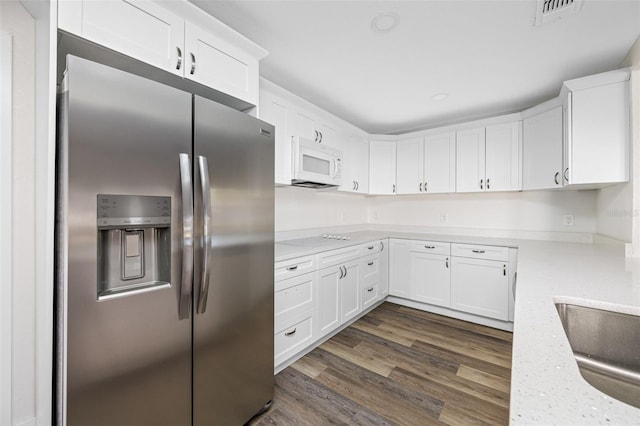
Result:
[614,211]
[304,208]
[514,211]
[16,20]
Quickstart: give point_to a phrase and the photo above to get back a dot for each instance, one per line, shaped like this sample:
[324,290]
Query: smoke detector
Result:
[552,10]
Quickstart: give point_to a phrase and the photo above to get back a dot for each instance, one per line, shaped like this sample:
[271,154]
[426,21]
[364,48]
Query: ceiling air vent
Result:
[551,10]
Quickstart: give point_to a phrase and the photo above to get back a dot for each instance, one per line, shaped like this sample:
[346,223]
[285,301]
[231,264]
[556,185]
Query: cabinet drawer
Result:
[293,298]
[294,267]
[433,247]
[372,247]
[335,257]
[369,295]
[292,339]
[370,268]
[480,252]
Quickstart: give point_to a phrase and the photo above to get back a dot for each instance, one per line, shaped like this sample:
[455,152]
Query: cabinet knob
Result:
[488,183]
[420,186]
[370,263]
[315,139]
[478,251]
[354,185]
[555,178]
[481,183]
[564,175]
[320,133]
[370,289]
[394,188]
[425,187]
[446,262]
[291,333]
[357,185]
[292,268]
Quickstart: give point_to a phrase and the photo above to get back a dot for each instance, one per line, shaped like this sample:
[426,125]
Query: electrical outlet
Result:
[567,220]
[443,218]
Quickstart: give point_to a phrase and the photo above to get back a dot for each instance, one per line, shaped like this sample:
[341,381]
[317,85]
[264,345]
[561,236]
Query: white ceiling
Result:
[487,54]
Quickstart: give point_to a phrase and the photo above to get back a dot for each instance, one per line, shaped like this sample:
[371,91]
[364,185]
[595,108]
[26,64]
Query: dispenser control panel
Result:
[121,211]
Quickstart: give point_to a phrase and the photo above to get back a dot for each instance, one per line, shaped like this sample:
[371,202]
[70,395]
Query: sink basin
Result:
[606,346]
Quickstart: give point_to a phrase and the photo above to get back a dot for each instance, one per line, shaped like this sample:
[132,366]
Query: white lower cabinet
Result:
[294,306]
[480,287]
[350,296]
[400,268]
[430,278]
[328,307]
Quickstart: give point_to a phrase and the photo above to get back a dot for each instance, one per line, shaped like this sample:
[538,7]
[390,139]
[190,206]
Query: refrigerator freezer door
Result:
[233,330]
[126,359]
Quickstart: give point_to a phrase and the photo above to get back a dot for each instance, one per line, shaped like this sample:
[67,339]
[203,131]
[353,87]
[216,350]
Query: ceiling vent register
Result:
[548,11]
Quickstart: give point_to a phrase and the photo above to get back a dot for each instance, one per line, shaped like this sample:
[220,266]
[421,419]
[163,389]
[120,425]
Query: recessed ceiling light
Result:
[439,97]
[384,22]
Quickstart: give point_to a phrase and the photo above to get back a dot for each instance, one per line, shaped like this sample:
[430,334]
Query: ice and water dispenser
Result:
[134,244]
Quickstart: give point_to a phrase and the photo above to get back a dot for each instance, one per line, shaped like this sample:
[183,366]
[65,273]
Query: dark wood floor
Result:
[398,366]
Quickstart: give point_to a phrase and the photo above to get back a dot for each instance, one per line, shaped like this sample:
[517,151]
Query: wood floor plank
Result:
[479,408]
[364,360]
[376,392]
[397,365]
[308,366]
[483,378]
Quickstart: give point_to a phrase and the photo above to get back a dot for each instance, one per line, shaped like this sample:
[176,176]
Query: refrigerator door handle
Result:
[203,169]
[184,306]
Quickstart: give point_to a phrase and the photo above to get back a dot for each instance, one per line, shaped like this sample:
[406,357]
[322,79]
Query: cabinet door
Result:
[360,163]
[216,63]
[303,125]
[382,167]
[400,268]
[470,160]
[328,297]
[502,157]
[383,282]
[273,110]
[140,29]
[328,135]
[480,287]
[542,150]
[409,166]
[440,163]
[430,279]
[350,293]
[599,134]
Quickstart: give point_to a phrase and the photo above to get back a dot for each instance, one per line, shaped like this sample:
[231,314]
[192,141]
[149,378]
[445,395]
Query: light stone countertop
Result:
[546,385]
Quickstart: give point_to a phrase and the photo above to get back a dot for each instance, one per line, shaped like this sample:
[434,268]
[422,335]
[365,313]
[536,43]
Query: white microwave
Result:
[315,165]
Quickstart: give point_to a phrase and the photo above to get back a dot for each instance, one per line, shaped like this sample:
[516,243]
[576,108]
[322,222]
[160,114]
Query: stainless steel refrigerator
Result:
[164,255]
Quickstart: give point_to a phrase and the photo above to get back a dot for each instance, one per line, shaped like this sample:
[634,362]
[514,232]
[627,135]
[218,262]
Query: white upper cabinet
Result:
[153,33]
[140,29]
[427,165]
[488,159]
[542,150]
[440,163]
[277,111]
[410,166]
[470,160]
[382,167]
[503,156]
[598,130]
[214,62]
[355,164]
[305,125]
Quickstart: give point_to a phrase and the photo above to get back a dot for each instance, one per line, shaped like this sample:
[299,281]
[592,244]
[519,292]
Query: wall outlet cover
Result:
[567,220]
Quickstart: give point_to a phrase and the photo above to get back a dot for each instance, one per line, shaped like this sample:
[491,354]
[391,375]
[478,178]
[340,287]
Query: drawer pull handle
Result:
[370,289]
[446,263]
[292,268]
[370,248]
[504,270]
[478,251]
[370,263]
[290,333]
[429,247]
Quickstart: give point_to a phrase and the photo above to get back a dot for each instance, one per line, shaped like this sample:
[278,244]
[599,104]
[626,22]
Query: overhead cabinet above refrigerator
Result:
[164,255]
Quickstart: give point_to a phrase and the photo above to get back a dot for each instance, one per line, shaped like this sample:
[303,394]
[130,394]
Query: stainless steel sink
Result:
[606,346]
